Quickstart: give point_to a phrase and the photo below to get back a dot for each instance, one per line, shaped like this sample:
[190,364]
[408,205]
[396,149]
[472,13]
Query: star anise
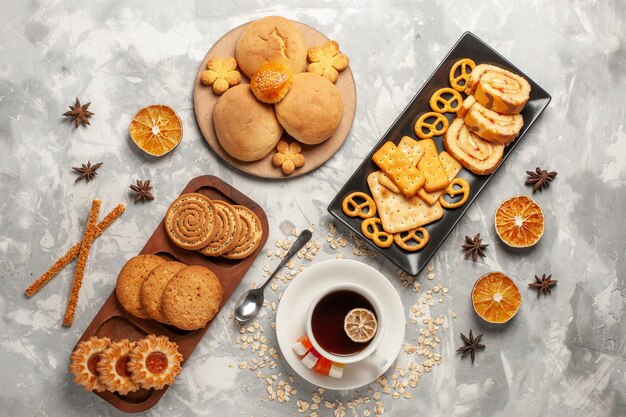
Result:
[543,284]
[143,191]
[87,171]
[79,113]
[471,345]
[474,247]
[539,178]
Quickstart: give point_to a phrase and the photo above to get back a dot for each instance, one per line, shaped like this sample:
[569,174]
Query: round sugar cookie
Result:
[113,370]
[190,221]
[249,242]
[84,362]
[155,362]
[131,279]
[192,297]
[228,236]
[153,287]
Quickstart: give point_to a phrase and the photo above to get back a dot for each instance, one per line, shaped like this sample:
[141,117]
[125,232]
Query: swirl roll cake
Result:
[493,127]
[475,154]
[498,89]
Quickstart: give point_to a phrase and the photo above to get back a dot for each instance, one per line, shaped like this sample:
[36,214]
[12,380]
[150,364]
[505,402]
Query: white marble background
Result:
[563,355]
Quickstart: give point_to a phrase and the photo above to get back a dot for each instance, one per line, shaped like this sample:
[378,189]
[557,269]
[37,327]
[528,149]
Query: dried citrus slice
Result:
[156,129]
[519,221]
[496,298]
[360,325]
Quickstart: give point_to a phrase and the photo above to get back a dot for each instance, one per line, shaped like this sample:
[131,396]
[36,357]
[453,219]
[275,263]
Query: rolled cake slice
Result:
[475,154]
[497,128]
[498,89]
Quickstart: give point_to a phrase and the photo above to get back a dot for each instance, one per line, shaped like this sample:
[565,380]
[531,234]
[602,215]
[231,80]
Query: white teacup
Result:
[370,351]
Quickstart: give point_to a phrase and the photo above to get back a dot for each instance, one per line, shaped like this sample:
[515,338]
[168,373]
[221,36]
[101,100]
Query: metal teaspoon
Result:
[252,301]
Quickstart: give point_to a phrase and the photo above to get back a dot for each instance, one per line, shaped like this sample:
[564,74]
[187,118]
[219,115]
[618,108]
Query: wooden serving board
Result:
[204,100]
[114,322]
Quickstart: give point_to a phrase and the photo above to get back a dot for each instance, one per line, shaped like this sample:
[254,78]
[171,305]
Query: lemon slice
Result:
[360,325]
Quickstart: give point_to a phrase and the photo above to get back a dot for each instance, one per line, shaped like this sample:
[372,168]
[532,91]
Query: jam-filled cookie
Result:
[84,361]
[113,368]
[155,362]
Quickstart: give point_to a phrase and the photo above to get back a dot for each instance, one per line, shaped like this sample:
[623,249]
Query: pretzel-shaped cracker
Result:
[382,239]
[437,99]
[412,235]
[353,209]
[433,130]
[465,190]
[464,63]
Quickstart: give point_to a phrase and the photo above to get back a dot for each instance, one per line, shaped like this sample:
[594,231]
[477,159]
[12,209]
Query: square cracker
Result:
[452,167]
[431,168]
[413,152]
[399,169]
[411,149]
[399,213]
[384,180]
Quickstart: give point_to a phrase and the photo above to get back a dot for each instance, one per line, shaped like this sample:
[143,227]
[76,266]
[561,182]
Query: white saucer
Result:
[294,304]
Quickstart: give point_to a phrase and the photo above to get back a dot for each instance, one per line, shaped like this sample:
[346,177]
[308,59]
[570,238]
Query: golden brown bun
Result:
[271,39]
[271,82]
[312,110]
[246,128]
[474,153]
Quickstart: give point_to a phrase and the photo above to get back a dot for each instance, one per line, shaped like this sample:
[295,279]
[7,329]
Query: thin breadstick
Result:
[72,253]
[77,282]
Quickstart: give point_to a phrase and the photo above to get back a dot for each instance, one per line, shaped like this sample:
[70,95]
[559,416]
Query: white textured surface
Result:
[562,356]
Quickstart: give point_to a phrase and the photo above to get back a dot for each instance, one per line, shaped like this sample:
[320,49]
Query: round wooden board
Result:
[204,99]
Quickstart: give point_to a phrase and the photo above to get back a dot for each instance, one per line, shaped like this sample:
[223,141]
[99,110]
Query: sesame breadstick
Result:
[77,282]
[72,253]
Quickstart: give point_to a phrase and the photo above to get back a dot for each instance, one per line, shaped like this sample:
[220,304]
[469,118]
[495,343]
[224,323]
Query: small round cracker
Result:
[190,221]
[228,236]
[249,242]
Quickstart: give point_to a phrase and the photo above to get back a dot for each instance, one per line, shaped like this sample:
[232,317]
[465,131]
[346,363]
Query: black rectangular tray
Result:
[468,46]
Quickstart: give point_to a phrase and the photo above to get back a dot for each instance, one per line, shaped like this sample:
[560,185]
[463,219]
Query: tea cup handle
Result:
[378,359]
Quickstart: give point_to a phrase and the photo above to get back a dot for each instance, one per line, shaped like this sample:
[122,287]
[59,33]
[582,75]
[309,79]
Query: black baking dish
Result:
[468,46]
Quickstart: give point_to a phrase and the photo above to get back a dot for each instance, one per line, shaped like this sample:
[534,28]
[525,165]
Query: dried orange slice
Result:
[519,221]
[496,298]
[156,129]
[360,325]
